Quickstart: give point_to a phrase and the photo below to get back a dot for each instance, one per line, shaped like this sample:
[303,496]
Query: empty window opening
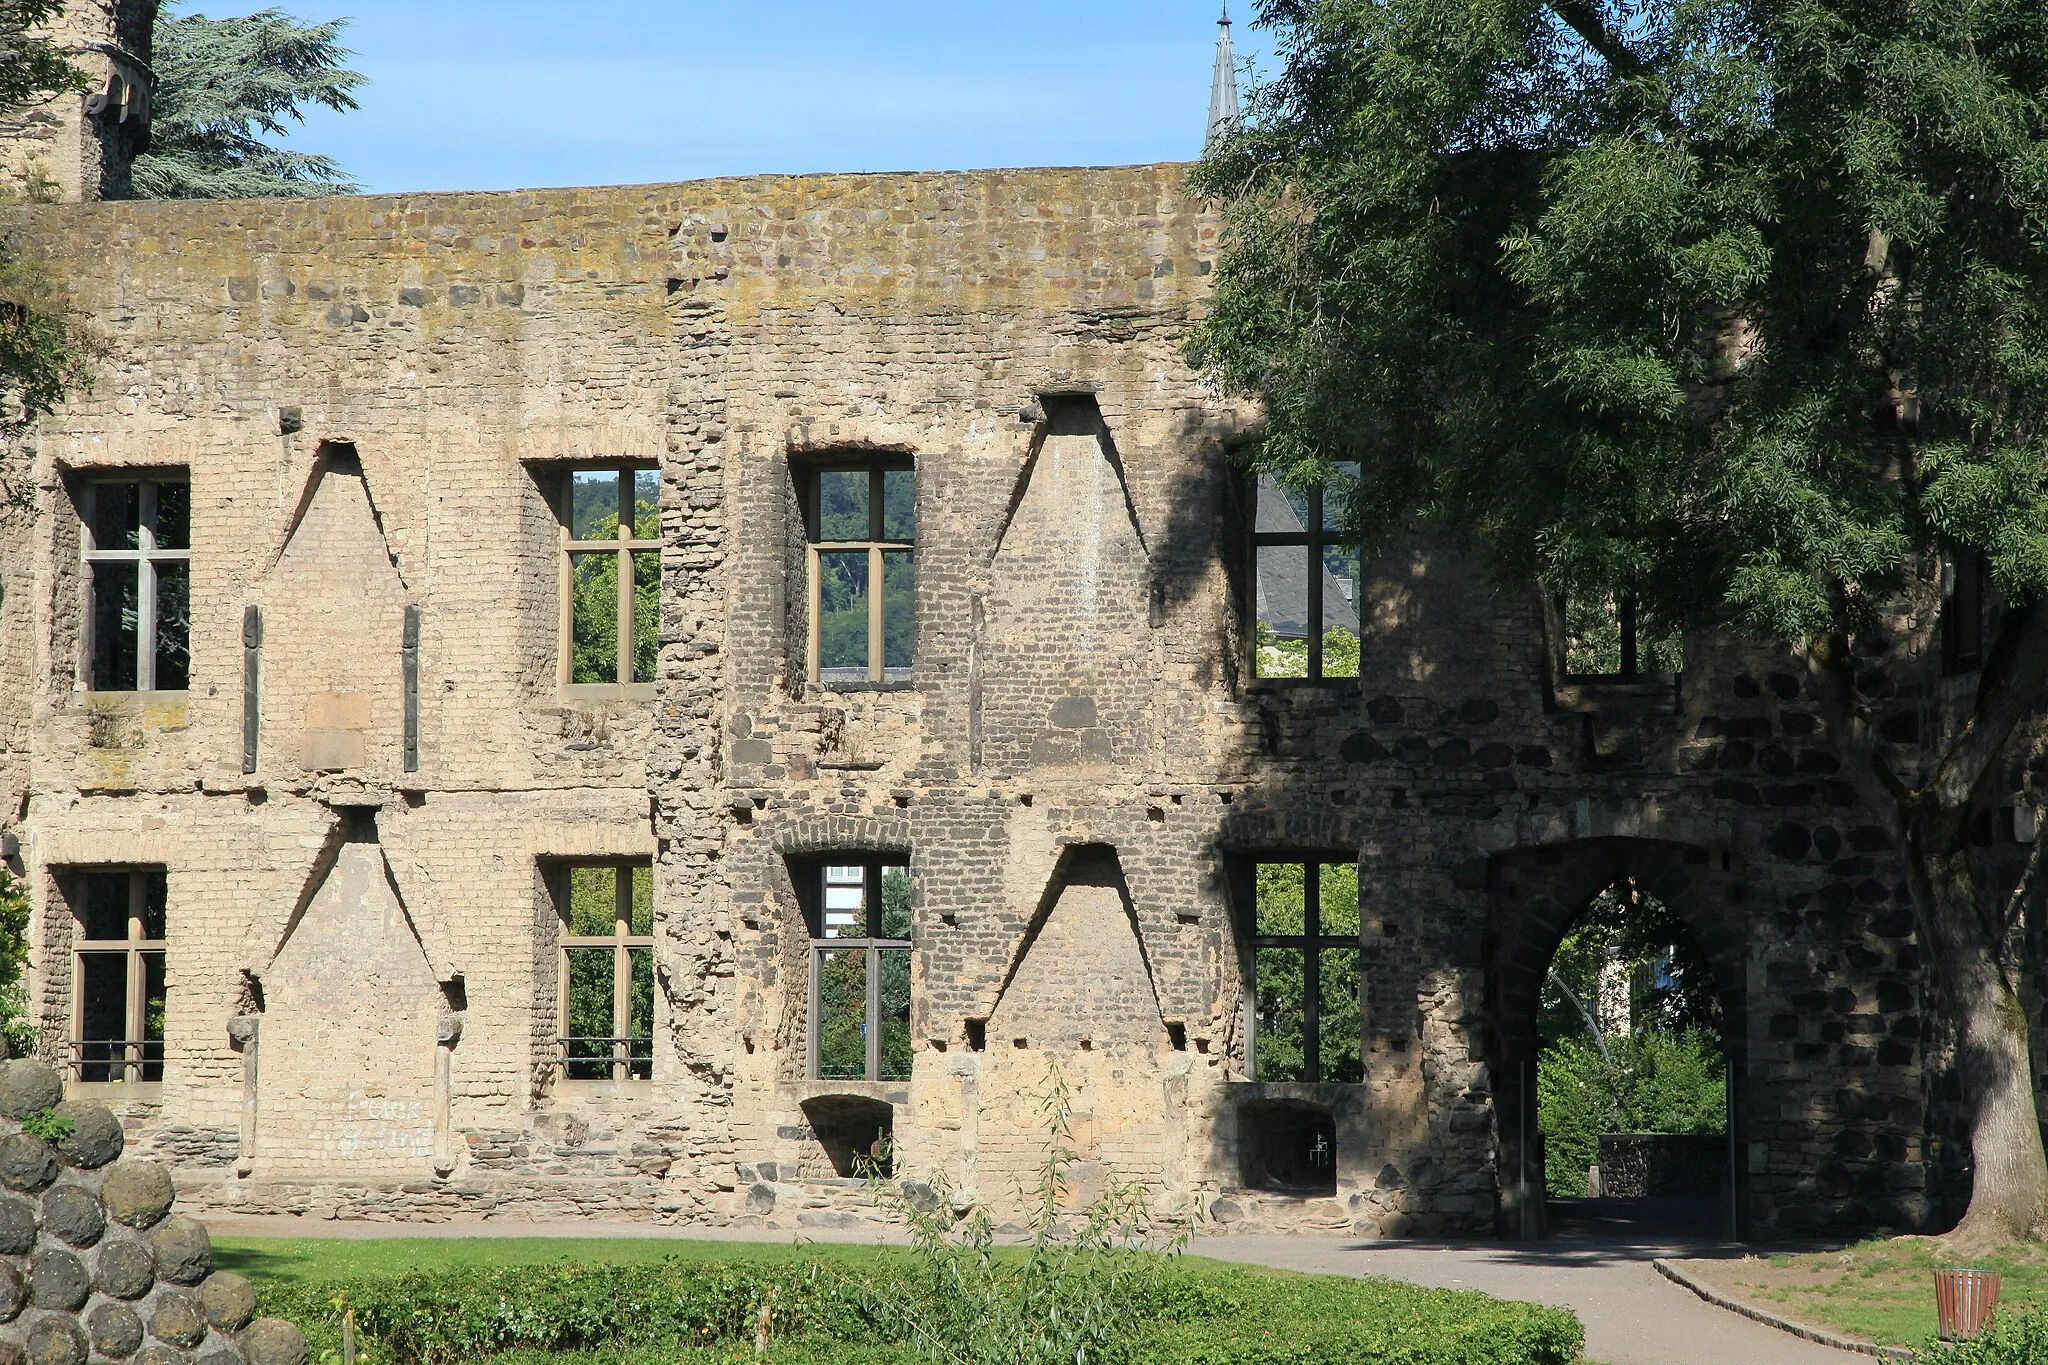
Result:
[610,574]
[861,521]
[117,978]
[1607,636]
[138,552]
[1289,1148]
[604,1008]
[859,912]
[855,1133]
[1306,582]
[1304,1018]
[1965,580]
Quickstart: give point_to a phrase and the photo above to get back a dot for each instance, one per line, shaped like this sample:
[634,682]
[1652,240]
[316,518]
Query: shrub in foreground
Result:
[2014,1338]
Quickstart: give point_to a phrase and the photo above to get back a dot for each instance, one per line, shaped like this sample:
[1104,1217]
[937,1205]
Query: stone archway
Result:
[1536,895]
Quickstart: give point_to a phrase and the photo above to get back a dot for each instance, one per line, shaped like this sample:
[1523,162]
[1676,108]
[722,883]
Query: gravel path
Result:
[1633,1315]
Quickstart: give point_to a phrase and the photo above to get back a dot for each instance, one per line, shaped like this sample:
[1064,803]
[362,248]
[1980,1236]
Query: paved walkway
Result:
[1633,1315]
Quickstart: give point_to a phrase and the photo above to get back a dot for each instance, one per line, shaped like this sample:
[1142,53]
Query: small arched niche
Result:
[853,1131]
[1288,1147]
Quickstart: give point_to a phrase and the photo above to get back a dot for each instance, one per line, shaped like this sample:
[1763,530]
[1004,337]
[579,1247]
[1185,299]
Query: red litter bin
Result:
[1963,1300]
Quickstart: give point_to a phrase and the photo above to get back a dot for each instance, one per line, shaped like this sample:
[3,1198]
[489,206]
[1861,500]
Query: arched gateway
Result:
[1536,895]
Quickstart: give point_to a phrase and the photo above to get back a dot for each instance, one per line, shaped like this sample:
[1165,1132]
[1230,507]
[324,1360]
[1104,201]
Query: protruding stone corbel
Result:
[242,1032]
[446,1035]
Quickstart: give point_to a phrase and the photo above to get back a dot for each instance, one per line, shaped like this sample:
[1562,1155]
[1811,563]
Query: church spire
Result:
[1223,89]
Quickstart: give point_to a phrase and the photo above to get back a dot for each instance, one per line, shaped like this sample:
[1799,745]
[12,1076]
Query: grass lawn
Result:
[1881,1291]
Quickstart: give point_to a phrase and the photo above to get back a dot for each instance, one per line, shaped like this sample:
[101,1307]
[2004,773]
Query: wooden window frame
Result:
[622,941]
[146,557]
[1310,944]
[624,544]
[1313,539]
[870,943]
[135,947]
[877,546]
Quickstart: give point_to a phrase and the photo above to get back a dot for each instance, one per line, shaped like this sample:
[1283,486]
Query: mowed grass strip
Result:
[1880,1290]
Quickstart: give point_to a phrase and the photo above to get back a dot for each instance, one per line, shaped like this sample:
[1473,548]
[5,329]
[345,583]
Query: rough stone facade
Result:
[374,399]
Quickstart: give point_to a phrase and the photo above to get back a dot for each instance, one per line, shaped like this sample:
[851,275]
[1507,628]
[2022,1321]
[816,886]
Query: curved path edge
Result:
[1770,1319]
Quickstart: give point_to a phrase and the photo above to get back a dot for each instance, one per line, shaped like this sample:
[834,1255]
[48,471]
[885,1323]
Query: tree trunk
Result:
[2009,1188]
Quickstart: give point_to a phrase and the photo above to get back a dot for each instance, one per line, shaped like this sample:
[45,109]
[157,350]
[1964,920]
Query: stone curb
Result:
[1769,1319]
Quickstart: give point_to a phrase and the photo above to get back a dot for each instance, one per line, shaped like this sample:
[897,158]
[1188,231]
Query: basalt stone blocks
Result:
[94,1265]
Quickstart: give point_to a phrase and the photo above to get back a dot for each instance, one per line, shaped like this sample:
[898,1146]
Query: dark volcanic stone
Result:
[72,1214]
[229,1300]
[57,1279]
[116,1331]
[137,1193]
[273,1341]
[56,1341]
[17,1226]
[184,1253]
[127,1269]
[28,1088]
[178,1319]
[26,1162]
[96,1136]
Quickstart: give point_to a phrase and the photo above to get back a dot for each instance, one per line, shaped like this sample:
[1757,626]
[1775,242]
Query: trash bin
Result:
[1963,1300]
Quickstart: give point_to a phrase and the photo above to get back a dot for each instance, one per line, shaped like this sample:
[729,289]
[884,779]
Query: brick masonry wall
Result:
[1082,688]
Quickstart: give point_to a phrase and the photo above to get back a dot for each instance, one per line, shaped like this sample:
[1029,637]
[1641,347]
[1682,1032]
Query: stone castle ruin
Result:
[619,700]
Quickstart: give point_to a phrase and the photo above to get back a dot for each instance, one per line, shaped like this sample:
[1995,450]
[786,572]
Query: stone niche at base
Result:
[353,1012]
[93,1262]
[1081,997]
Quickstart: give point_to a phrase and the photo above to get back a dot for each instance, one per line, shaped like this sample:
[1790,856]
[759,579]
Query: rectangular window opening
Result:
[1606,636]
[604,1008]
[137,548]
[611,574]
[861,521]
[118,984]
[858,907]
[1304,1014]
[1306,579]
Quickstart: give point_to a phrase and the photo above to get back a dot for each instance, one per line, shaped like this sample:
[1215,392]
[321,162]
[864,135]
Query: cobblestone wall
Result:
[375,398]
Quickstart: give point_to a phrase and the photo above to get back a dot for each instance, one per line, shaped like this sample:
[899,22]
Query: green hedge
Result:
[1198,1315]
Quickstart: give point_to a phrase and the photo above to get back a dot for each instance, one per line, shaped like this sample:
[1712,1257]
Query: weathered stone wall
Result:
[1079,757]
[93,1263]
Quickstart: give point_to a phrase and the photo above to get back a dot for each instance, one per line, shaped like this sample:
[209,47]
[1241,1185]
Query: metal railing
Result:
[592,1058]
[117,1060]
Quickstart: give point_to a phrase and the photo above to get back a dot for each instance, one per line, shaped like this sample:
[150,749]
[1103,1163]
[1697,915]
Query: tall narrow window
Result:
[1307,580]
[862,524]
[117,976]
[1304,1016]
[860,969]
[611,574]
[138,552]
[1962,613]
[605,1008]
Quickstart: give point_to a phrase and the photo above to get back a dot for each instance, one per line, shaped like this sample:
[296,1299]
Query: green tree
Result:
[1730,307]
[43,352]
[223,86]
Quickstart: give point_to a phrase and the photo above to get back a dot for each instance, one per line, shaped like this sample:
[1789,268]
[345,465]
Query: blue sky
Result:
[502,94]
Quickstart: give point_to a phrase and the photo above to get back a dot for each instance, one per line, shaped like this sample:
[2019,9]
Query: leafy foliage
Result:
[1644,1083]
[594,608]
[49,1125]
[1281,657]
[2017,1336]
[1726,305]
[1281,897]
[15,1025]
[223,86]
